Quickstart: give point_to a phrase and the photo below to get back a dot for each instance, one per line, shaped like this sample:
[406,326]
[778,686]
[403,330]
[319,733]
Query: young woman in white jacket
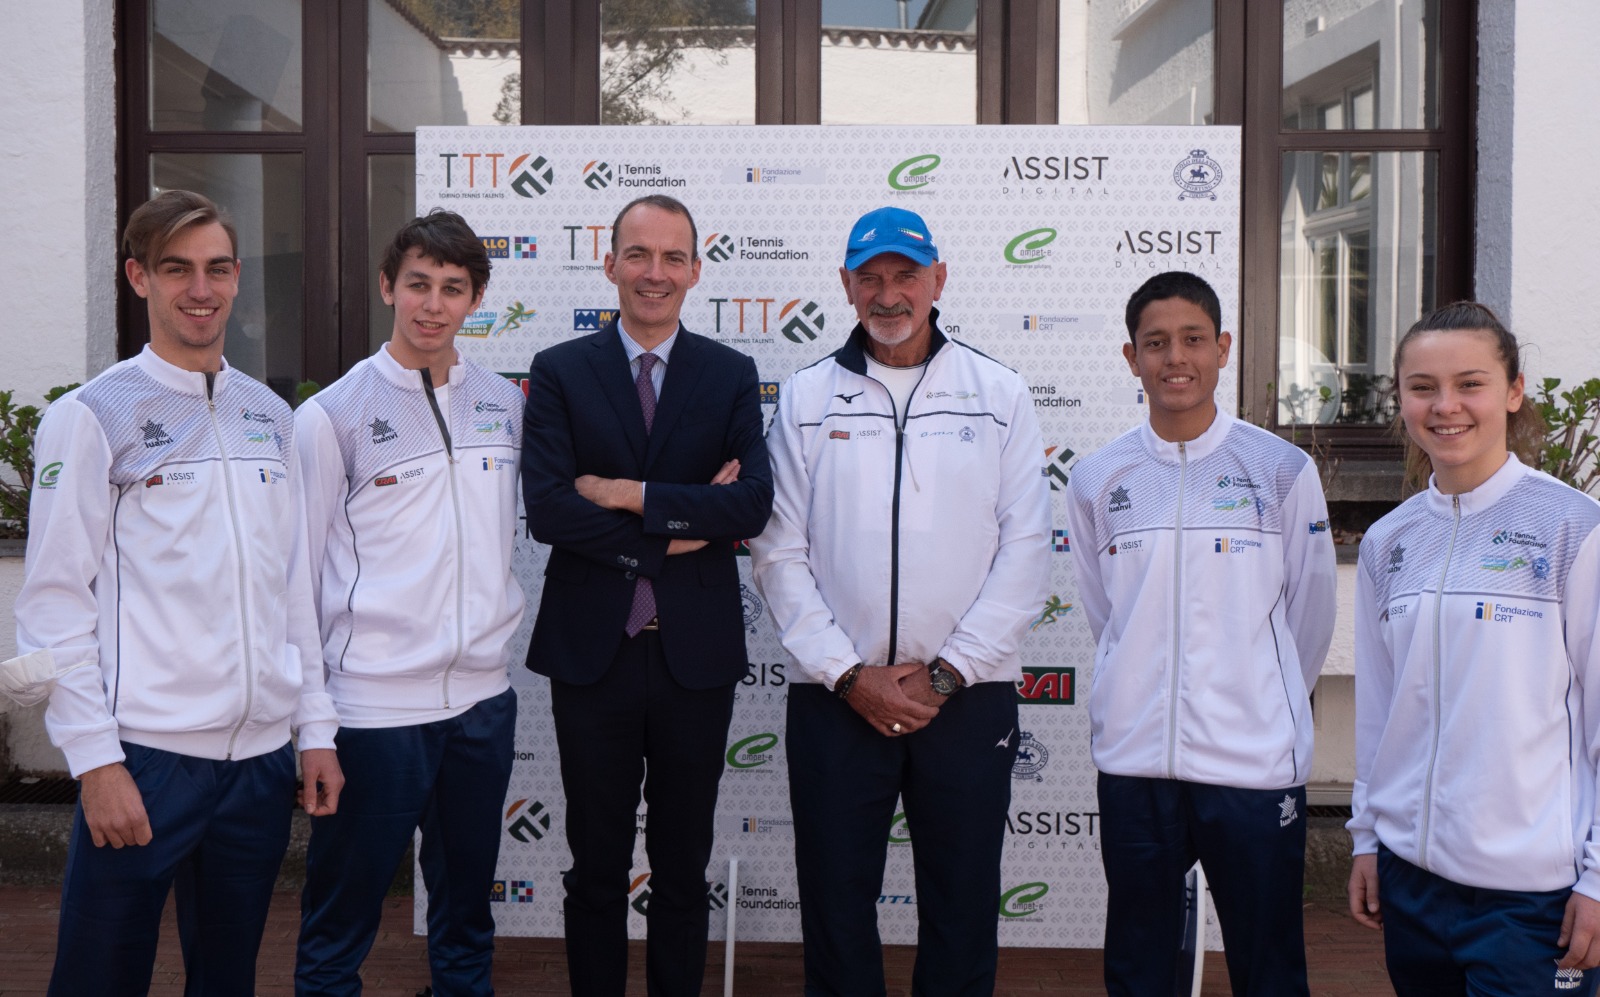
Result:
[1478,689]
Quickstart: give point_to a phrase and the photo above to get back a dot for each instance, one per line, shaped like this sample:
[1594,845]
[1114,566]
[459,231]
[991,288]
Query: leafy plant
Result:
[304,390]
[1571,450]
[18,423]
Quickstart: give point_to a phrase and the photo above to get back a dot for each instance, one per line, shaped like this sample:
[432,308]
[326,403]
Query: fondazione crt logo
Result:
[914,173]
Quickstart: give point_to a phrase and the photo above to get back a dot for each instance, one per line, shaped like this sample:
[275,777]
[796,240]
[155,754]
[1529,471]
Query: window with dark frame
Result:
[1358,146]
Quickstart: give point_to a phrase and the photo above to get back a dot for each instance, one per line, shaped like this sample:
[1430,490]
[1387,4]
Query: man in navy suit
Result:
[643,462]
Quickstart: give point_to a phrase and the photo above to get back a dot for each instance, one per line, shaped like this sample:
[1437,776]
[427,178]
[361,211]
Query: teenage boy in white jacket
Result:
[410,463]
[167,594]
[1206,572]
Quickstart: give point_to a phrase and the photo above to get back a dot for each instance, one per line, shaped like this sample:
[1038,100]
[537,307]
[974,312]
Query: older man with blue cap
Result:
[907,550]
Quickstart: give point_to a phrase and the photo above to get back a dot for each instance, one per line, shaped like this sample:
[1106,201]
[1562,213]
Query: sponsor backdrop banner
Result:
[1046,231]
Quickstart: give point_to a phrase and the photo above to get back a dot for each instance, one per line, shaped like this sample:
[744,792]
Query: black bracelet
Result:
[847,681]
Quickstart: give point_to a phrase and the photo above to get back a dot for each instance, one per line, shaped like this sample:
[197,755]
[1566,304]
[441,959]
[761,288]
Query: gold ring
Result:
[895,728]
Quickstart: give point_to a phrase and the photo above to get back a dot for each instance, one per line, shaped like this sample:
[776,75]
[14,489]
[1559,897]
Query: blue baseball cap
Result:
[890,230]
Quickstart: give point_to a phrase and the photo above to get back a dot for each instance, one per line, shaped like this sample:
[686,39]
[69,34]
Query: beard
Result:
[889,327]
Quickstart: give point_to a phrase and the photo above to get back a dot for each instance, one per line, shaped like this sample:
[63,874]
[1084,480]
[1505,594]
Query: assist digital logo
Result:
[1054,176]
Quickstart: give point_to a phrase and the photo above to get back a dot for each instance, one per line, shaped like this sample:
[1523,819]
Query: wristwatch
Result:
[942,676]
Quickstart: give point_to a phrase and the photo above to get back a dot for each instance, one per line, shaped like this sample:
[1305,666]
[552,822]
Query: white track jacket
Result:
[1206,572]
[1478,685]
[888,546]
[411,512]
[163,551]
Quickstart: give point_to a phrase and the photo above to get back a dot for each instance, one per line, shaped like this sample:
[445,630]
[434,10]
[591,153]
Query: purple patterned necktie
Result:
[644,595]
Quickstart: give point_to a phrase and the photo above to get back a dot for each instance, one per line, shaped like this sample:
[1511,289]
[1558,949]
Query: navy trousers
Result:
[448,778]
[1442,939]
[954,778]
[218,834]
[638,725]
[1251,844]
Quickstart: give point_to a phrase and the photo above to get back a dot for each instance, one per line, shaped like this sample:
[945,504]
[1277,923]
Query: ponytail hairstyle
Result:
[1525,428]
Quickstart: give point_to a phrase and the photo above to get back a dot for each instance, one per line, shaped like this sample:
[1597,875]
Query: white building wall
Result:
[59,175]
[1544,181]
[58,168]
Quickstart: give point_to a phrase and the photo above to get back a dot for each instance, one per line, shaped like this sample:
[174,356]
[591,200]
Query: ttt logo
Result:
[527,822]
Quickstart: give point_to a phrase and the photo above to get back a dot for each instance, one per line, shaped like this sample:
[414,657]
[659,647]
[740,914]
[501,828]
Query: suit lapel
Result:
[611,371]
[684,368]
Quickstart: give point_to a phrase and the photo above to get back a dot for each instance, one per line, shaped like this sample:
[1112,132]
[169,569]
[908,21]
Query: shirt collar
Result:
[1194,449]
[631,347]
[1483,496]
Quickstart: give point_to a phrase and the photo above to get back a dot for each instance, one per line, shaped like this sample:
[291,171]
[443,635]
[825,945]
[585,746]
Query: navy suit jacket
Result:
[583,417]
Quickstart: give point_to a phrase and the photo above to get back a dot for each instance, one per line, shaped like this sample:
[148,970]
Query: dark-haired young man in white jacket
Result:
[410,462]
[1206,572]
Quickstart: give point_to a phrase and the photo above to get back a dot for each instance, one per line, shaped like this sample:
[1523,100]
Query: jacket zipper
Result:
[894,511]
[1177,620]
[455,504]
[1438,683]
[238,545]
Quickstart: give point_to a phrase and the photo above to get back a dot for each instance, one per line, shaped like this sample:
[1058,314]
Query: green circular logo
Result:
[913,173]
[749,753]
[899,830]
[1020,901]
[1029,246]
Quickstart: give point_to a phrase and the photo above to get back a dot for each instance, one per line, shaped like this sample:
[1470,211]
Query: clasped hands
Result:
[895,699]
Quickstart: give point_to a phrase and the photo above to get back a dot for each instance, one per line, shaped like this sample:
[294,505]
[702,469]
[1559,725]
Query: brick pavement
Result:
[1345,959]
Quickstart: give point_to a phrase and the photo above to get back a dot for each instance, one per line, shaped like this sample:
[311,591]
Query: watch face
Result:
[943,682]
